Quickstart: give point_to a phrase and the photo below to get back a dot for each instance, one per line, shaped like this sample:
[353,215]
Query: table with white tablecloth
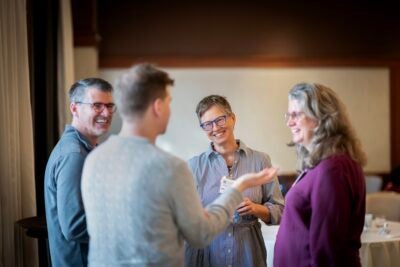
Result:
[377,250]
[269,234]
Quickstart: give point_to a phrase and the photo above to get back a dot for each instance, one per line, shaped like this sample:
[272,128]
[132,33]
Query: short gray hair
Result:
[213,100]
[78,90]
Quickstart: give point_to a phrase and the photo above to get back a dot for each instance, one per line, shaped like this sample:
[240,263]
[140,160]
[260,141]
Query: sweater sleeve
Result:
[198,225]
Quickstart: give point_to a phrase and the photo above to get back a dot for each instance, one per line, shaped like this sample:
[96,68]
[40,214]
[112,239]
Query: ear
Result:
[73,108]
[233,116]
[157,107]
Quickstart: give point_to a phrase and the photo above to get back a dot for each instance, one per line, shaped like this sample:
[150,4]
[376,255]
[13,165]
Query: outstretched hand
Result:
[255,179]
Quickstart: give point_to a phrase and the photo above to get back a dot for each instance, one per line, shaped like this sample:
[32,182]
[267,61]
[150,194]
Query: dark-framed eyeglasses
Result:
[208,125]
[293,116]
[99,107]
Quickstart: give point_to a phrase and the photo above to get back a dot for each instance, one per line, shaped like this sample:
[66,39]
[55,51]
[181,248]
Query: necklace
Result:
[230,174]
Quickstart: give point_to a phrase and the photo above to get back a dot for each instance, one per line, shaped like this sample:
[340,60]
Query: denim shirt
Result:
[65,215]
[241,244]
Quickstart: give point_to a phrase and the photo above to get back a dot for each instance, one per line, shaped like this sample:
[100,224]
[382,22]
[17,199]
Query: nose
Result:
[106,113]
[290,122]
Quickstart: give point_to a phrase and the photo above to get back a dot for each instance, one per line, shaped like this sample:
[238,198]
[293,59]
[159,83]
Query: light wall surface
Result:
[86,62]
[258,97]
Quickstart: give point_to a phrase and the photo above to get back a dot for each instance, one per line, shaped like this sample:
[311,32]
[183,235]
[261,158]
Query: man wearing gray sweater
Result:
[140,201]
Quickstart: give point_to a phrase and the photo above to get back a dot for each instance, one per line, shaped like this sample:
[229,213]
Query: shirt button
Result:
[229,251]
[229,265]
[229,234]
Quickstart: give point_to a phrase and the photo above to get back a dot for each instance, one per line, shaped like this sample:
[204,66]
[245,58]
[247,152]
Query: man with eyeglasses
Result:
[92,110]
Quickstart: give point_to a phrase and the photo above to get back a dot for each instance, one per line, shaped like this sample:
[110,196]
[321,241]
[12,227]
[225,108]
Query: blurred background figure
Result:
[394,183]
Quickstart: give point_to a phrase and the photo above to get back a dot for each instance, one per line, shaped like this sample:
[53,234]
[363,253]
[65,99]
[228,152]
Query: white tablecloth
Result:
[376,250]
[269,233]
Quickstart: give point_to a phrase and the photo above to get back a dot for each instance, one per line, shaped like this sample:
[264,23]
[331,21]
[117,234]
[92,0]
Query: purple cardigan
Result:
[323,217]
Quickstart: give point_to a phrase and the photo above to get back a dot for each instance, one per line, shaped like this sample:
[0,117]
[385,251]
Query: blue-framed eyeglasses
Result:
[293,116]
[208,125]
[99,107]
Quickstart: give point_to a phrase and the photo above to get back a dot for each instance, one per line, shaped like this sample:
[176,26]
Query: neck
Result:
[227,149]
[140,129]
[93,140]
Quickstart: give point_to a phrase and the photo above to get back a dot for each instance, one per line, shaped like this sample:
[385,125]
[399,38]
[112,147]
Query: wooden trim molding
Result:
[247,61]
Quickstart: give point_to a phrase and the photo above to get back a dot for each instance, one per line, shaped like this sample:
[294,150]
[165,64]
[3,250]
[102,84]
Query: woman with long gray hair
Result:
[324,213]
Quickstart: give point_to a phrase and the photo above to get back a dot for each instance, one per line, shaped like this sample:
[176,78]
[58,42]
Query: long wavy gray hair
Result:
[333,134]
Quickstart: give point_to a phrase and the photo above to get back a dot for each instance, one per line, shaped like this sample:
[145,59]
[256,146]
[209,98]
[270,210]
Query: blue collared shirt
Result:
[65,215]
[241,244]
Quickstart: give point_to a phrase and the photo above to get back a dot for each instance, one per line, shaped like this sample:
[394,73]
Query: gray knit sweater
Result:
[141,203]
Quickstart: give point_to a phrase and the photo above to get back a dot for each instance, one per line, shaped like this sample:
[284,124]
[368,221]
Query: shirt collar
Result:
[69,128]
[242,148]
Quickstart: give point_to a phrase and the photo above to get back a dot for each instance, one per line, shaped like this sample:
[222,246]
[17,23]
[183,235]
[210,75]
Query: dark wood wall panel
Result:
[395,116]
[84,21]
[196,33]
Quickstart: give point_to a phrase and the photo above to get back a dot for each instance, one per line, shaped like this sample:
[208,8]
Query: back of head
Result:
[213,100]
[78,91]
[334,133]
[138,87]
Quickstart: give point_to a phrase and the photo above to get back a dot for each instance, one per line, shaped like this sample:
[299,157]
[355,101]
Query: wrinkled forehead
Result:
[94,95]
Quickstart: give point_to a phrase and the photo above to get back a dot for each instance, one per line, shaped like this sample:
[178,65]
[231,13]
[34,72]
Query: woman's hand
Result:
[248,207]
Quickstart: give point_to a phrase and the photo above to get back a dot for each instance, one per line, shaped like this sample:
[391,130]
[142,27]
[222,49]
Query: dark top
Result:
[323,217]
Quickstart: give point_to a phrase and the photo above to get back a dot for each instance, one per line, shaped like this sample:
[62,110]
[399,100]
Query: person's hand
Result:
[248,207]
[255,179]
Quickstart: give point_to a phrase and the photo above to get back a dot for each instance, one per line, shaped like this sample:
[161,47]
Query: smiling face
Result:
[301,126]
[86,120]
[223,132]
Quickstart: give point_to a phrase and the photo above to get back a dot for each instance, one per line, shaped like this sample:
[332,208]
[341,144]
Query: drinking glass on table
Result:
[367,221]
[379,221]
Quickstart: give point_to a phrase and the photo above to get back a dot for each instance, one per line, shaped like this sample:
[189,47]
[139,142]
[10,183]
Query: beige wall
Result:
[86,62]
[259,99]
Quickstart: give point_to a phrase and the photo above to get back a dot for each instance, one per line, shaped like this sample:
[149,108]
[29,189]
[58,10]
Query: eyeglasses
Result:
[208,125]
[293,116]
[99,107]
